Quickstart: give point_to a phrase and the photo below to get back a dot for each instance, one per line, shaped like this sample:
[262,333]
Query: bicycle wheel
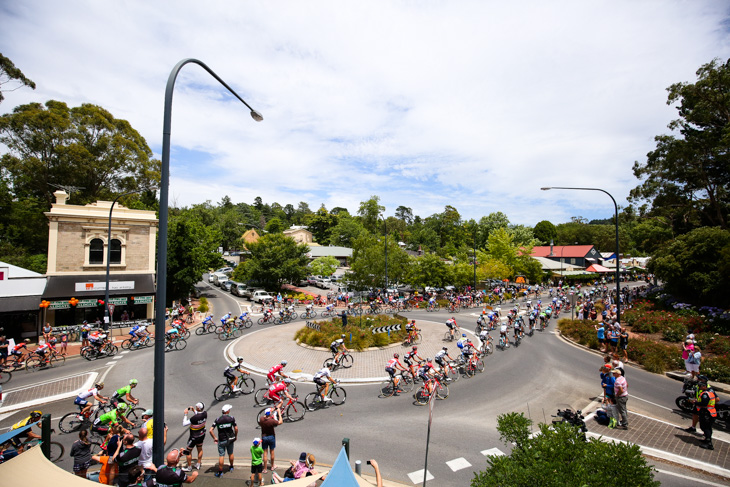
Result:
[329,361]
[405,384]
[295,411]
[469,370]
[57,360]
[200,330]
[149,341]
[346,361]
[386,388]
[456,310]
[312,401]
[338,395]
[180,344]
[127,344]
[223,335]
[70,422]
[480,365]
[294,315]
[421,397]
[452,373]
[442,391]
[247,385]
[278,321]
[5,376]
[260,321]
[417,339]
[57,451]
[33,364]
[222,392]
[135,415]
[248,323]
[259,398]
[112,350]
[292,389]
[447,336]
[186,335]
[237,332]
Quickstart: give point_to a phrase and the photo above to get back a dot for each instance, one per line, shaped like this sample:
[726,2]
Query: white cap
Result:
[226,407]
[200,406]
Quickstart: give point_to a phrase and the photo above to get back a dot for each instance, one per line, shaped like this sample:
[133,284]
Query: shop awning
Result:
[9,304]
[32,469]
[599,268]
[81,285]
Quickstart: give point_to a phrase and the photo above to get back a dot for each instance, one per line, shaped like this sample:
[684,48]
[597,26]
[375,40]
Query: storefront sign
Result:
[59,305]
[143,299]
[101,286]
[122,301]
[87,303]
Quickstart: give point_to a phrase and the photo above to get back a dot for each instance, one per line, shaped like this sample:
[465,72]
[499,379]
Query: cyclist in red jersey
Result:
[277,388]
[412,357]
[277,370]
[393,365]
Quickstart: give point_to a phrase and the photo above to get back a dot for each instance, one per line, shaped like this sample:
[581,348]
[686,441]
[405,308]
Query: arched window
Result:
[96,251]
[115,255]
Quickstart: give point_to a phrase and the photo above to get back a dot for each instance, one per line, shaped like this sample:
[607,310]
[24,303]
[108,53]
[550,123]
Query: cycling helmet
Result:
[122,406]
[287,380]
[702,379]
[133,382]
[463,335]
[395,355]
[99,385]
[240,359]
[468,340]
[331,365]
[414,348]
[342,336]
[27,340]
[284,362]
[445,349]
[35,414]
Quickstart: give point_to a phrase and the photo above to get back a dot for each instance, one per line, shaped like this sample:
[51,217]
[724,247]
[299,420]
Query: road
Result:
[545,373]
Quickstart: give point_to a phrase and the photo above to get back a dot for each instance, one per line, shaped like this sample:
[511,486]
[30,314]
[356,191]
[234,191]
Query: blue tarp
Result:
[341,474]
[5,437]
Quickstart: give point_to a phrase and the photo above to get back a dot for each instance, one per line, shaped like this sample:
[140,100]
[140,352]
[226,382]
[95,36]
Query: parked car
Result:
[323,282]
[211,276]
[225,270]
[249,292]
[312,280]
[226,286]
[261,296]
[238,289]
[219,278]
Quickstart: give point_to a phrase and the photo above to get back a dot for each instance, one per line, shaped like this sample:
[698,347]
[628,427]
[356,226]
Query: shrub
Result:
[675,332]
[719,345]
[716,368]
[656,357]
[357,338]
[580,331]
[203,307]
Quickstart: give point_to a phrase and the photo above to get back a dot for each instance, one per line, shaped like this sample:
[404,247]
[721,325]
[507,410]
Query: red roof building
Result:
[580,255]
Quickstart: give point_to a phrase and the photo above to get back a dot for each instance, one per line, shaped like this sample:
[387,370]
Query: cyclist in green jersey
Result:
[124,394]
[105,421]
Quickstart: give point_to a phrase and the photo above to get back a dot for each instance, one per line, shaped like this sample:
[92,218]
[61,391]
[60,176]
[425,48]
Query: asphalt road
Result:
[543,374]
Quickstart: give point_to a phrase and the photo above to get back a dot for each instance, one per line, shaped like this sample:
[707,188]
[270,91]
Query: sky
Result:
[473,104]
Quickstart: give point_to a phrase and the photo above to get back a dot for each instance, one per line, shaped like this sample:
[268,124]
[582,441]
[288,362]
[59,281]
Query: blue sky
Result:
[472,104]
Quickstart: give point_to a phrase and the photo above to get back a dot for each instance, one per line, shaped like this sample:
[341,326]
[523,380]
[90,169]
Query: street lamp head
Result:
[256,116]
[546,189]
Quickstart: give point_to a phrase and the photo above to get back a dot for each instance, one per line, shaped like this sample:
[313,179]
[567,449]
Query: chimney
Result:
[61,197]
[551,248]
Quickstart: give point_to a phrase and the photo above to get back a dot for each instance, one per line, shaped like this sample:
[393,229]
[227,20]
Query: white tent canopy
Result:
[32,469]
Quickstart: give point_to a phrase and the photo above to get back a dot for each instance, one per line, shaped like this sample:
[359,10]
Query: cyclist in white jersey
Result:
[82,399]
[321,378]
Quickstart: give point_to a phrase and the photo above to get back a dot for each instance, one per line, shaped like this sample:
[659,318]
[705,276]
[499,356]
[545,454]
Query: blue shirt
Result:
[601,332]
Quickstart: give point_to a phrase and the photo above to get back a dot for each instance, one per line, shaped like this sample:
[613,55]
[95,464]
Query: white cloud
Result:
[468,103]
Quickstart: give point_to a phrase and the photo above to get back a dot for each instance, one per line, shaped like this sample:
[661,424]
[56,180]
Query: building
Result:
[77,260]
[300,234]
[343,254]
[20,297]
[577,255]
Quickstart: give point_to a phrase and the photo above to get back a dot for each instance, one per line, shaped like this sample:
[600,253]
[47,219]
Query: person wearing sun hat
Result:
[257,462]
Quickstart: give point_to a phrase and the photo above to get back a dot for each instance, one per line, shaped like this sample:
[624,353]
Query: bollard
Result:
[46,435]
[358,467]
[346,444]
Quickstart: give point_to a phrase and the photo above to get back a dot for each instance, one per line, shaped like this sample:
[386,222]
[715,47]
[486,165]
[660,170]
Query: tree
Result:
[687,176]
[426,270]
[404,213]
[545,231]
[694,266]
[558,456]
[275,259]
[346,231]
[492,222]
[369,212]
[85,147]
[275,225]
[321,224]
[324,266]
[367,267]
[9,73]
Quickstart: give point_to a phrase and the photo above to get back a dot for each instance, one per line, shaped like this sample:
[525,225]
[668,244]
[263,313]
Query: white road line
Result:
[686,477]
[417,476]
[126,351]
[652,403]
[492,451]
[117,357]
[458,464]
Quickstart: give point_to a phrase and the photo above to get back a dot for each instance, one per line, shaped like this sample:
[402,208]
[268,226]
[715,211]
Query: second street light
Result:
[161,297]
[618,267]
[385,225]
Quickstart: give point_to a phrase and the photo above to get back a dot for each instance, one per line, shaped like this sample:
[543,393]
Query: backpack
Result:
[692,359]
[602,417]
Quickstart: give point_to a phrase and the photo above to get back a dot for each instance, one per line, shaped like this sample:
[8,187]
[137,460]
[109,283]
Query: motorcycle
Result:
[686,402]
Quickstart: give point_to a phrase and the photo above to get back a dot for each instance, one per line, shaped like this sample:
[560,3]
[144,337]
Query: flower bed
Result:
[357,338]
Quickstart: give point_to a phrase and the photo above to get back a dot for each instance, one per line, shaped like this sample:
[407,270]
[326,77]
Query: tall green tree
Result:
[275,259]
[348,228]
[426,270]
[321,224]
[324,266]
[11,77]
[367,267]
[545,231]
[687,177]
[369,212]
[558,456]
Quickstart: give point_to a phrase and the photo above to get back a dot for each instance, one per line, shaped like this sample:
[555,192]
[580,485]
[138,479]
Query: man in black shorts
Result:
[170,475]
[196,423]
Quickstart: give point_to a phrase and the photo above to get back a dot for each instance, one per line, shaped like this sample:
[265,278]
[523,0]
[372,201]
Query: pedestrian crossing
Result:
[455,465]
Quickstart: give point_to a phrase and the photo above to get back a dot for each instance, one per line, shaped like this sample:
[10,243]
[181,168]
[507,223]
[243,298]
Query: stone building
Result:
[300,234]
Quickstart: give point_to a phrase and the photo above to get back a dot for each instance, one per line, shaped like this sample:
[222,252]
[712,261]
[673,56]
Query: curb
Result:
[23,405]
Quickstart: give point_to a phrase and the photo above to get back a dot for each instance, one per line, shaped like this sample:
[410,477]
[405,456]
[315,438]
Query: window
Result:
[572,261]
[115,255]
[96,251]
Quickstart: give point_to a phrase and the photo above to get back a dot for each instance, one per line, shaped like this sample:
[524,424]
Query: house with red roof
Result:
[578,255]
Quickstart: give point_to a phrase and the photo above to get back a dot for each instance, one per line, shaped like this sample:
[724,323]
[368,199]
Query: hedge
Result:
[356,338]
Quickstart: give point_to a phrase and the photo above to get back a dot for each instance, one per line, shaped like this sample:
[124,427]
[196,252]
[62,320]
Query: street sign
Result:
[111,308]
[385,329]
[313,326]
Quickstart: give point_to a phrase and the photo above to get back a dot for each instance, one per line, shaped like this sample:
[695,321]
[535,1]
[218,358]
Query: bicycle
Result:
[449,336]
[93,352]
[5,376]
[15,362]
[453,308]
[475,364]
[225,391]
[388,388]
[310,313]
[261,396]
[413,338]
[486,347]
[75,420]
[503,343]
[36,361]
[228,331]
[441,390]
[207,326]
[177,343]
[266,319]
[329,314]
[57,450]
[293,410]
[344,360]
[134,414]
[141,342]
[451,371]
[314,401]
[433,308]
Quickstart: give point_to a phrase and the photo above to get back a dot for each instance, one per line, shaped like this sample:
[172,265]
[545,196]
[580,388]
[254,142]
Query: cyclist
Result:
[267,314]
[503,338]
[440,358]
[462,341]
[451,325]
[34,418]
[172,334]
[41,352]
[124,394]
[207,321]
[243,317]
[321,378]
[277,370]
[107,420]
[225,318]
[230,371]
[137,333]
[468,350]
[412,331]
[96,339]
[329,307]
[393,365]
[432,302]
[425,372]
[17,350]
[308,308]
[484,335]
[82,402]
[277,388]
[338,348]
[518,328]
[410,357]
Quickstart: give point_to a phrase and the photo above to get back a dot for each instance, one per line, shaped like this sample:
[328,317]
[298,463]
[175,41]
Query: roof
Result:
[15,271]
[597,268]
[341,474]
[16,472]
[315,252]
[66,286]
[17,281]
[559,251]
[553,265]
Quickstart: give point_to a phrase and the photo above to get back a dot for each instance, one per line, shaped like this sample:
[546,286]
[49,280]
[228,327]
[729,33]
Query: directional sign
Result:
[313,326]
[385,329]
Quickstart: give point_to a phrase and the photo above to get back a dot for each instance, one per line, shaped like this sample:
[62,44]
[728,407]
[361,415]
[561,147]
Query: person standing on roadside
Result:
[623,343]
[707,412]
[268,435]
[227,434]
[196,423]
[621,393]
[694,361]
[601,335]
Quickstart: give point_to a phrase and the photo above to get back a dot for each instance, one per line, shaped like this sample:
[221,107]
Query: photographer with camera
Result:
[196,423]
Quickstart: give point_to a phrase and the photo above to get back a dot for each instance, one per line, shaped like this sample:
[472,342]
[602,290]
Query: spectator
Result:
[227,434]
[623,343]
[147,422]
[136,478]
[64,342]
[145,456]
[302,468]
[609,397]
[256,462]
[4,345]
[196,423]
[81,453]
[694,361]
[600,334]
[108,471]
[85,329]
[169,474]
[126,460]
[688,348]
[268,424]
[613,334]
[706,412]
[621,391]
[617,364]
[47,332]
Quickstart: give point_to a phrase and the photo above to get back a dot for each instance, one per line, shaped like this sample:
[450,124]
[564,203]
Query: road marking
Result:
[686,477]
[417,476]
[117,357]
[458,464]
[126,351]
[652,403]
[492,451]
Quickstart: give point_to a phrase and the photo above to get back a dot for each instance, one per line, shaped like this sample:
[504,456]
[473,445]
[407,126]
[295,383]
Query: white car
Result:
[261,296]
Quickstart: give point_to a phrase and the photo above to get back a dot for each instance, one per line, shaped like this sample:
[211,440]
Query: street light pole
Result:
[618,267]
[475,260]
[107,314]
[161,295]
[385,225]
